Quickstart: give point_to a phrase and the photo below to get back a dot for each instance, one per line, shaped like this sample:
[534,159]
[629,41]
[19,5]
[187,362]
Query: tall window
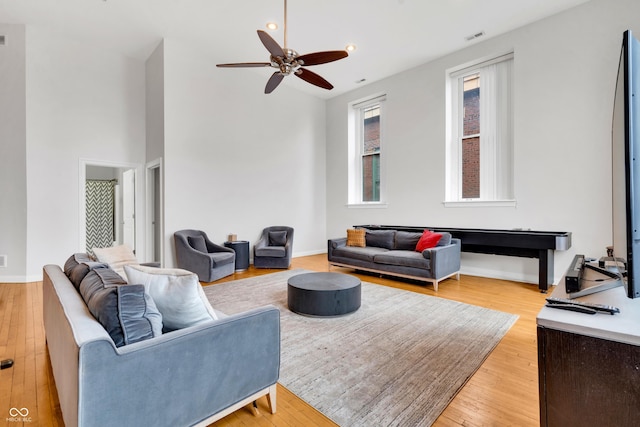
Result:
[371,154]
[365,150]
[480,132]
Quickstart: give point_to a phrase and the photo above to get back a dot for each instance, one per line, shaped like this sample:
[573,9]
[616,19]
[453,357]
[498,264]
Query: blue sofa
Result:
[190,376]
[393,252]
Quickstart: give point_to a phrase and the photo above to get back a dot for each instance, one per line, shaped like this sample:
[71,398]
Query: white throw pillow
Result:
[177,293]
[117,257]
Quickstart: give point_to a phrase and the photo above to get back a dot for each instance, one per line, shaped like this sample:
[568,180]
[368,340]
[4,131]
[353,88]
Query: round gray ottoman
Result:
[323,294]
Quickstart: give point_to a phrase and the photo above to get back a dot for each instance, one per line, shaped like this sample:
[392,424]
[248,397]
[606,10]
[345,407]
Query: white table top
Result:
[622,327]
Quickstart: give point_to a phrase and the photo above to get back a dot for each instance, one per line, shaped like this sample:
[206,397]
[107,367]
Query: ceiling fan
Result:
[287,61]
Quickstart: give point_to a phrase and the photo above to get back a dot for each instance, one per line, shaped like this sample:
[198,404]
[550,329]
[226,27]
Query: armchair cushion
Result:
[271,251]
[277,238]
[126,312]
[177,294]
[221,258]
[198,243]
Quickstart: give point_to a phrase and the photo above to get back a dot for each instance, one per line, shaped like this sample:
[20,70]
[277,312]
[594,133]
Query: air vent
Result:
[3,40]
[3,260]
[474,36]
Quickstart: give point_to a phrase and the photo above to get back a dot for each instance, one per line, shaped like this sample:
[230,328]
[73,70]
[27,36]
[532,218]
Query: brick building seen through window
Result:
[470,143]
[371,155]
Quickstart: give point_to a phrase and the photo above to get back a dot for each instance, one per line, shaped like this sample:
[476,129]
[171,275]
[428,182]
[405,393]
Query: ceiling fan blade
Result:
[272,46]
[273,82]
[322,57]
[245,64]
[313,78]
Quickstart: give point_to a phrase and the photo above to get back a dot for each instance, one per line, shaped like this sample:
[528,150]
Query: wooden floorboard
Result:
[503,392]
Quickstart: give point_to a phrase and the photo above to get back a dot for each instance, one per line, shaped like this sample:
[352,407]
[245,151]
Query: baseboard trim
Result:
[20,279]
[309,253]
[493,274]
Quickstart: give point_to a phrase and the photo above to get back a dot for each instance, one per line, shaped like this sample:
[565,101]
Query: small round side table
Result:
[241,248]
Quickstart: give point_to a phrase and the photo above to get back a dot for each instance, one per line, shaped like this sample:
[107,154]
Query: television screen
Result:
[625,165]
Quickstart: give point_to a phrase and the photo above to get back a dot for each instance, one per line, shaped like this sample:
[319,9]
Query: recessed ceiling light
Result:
[350,47]
[272,26]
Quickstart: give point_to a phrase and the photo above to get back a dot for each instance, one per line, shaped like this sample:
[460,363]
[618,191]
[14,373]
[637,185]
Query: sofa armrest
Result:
[334,244]
[214,247]
[445,260]
[262,242]
[185,376]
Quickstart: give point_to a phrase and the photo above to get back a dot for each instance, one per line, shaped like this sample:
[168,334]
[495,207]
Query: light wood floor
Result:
[503,392]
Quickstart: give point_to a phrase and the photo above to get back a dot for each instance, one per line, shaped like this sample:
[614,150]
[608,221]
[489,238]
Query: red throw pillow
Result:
[428,240]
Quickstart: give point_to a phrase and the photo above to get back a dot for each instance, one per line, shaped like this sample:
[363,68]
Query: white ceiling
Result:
[391,35]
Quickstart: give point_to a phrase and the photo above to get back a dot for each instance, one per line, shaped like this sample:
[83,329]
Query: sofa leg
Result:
[254,408]
[271,399]
[435,286]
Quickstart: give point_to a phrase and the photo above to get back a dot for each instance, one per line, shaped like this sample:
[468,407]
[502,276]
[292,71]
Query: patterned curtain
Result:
[100,211]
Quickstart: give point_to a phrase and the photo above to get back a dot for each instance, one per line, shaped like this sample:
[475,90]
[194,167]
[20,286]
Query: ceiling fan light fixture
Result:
[272,26]
[350,47]
[287,61]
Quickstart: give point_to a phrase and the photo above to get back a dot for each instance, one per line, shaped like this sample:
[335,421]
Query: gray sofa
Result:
[190,376]
[393,252]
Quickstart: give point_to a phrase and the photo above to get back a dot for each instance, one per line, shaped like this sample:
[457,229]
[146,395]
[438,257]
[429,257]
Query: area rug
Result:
[397,361]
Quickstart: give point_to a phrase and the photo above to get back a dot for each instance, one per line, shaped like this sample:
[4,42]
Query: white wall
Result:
[13,162]
[154,89]
[565,72]
[237,160]
[82,103]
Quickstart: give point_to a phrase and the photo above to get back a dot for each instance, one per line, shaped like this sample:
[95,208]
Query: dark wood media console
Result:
[589,365]
[520,243]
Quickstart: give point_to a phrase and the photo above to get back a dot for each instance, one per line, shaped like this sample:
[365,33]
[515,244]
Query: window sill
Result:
[370,205]
[480,204]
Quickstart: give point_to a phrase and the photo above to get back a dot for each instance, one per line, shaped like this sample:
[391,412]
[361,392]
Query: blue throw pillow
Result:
[78,266]
[126,312]
[445,240]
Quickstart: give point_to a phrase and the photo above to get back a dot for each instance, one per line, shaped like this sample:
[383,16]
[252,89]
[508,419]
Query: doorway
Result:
[154,203]
[108,205]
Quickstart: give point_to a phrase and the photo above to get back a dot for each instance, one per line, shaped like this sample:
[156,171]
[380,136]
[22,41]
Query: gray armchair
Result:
[273,249]
[196,253]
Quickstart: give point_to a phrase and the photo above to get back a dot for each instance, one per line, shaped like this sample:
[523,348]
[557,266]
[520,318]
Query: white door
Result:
[129,208]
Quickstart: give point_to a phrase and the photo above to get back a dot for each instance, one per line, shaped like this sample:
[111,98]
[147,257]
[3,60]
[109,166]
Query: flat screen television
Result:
[626,165]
